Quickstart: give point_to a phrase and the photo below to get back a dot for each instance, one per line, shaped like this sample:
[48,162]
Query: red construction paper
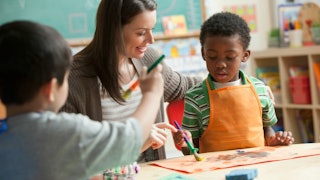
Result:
[241,157]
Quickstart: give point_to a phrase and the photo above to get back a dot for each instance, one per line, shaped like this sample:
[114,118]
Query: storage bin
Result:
[300,90]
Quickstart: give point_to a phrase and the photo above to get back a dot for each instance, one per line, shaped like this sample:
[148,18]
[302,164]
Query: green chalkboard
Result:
[75,19]
[72,18]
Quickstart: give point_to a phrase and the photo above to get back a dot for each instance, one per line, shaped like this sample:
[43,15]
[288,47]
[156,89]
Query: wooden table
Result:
[305,168]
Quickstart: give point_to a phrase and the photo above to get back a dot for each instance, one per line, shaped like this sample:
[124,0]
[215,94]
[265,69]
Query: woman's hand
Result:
[158,136]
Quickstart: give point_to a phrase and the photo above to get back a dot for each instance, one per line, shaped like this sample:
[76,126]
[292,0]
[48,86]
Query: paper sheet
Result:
[227,159]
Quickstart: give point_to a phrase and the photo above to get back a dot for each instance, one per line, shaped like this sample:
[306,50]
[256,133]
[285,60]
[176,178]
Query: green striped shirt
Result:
[197,109]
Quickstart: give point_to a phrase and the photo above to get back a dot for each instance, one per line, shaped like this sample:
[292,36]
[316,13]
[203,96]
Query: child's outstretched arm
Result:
[277,138]
[151,85]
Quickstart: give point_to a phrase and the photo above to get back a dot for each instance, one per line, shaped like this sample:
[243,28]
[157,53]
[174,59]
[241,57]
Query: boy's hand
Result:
[178,137]
[281,138]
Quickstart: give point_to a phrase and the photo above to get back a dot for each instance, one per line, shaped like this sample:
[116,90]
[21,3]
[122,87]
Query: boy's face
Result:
[223,56]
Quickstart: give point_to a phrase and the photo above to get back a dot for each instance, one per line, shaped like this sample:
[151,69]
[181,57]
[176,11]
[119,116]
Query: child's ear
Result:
[246,55]
[202,54]
[49,88]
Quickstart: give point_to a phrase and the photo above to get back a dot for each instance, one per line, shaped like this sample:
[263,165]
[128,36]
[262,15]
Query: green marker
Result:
[155,63]
[127,93]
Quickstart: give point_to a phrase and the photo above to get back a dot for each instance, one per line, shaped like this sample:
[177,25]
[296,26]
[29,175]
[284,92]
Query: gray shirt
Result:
[65,146]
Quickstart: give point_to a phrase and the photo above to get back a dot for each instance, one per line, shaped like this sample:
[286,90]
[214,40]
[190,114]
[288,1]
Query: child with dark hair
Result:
[228,110]
[36,142]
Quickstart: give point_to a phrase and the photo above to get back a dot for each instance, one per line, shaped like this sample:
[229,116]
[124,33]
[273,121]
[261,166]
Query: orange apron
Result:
[235,119]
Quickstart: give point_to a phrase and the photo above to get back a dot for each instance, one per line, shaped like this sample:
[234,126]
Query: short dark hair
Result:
[226,24]
[31,54]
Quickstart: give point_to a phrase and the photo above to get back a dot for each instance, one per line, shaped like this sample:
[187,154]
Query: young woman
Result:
[112,61]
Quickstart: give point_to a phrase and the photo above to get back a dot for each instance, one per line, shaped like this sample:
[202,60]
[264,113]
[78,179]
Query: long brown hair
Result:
[107,43]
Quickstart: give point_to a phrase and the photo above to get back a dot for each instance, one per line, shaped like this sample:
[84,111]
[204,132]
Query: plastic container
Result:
[300,90]
[127,172]
[118,176]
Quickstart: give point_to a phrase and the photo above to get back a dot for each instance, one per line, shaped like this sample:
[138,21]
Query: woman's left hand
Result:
[158,136]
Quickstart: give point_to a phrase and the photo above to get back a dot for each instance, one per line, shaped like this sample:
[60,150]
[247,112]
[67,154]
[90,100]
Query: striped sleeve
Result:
[196,112]
[269,117]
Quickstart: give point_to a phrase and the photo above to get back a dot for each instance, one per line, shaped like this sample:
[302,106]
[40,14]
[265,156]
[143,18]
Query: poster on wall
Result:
[247,12]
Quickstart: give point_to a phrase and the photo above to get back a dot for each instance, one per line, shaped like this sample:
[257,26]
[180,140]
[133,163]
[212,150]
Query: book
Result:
[2,111]
[316,69]
[305,125]
[270,76]
[174,25]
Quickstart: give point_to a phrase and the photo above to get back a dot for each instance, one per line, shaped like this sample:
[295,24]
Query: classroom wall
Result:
[265,20]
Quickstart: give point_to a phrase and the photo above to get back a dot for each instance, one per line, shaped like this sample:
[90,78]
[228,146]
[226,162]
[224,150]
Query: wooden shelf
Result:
[283,59]
[79,42]
[180,36]
[276,52]
[86,41]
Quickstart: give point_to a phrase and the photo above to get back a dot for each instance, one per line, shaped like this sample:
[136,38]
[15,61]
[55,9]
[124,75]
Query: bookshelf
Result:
[288,109]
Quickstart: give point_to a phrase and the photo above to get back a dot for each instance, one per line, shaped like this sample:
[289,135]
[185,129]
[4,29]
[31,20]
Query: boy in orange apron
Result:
[228,110]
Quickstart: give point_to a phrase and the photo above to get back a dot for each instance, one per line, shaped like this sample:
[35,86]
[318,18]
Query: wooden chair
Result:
[175,113]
